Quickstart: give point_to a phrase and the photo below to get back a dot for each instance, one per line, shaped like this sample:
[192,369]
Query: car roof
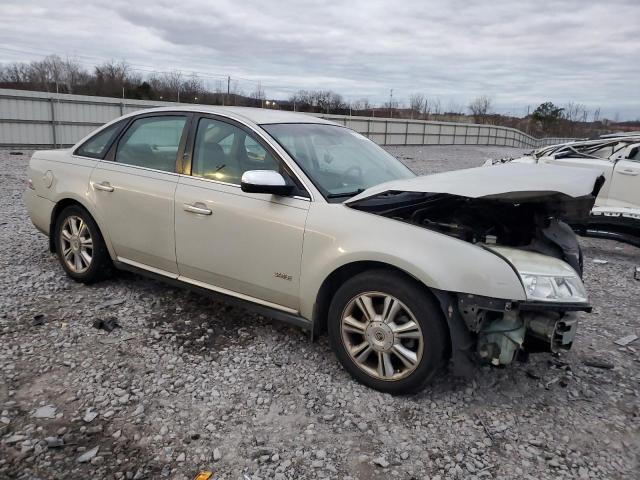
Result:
[260,116]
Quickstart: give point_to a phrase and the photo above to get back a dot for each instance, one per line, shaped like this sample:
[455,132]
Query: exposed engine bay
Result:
[530,221]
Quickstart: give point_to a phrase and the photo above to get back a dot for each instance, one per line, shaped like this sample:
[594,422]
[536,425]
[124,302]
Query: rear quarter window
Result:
[98,145]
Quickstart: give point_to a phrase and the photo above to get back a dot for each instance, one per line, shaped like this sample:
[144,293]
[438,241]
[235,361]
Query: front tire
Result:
[387,331]
[80,247]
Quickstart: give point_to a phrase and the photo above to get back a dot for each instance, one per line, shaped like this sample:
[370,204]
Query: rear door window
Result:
[152,142]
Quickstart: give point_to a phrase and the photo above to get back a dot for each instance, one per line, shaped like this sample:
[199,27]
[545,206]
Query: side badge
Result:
[283,276]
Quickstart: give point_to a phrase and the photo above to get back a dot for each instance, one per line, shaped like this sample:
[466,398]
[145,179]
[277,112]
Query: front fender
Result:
[337,235]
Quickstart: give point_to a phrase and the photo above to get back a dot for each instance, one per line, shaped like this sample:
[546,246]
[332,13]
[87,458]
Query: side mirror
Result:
[265,181]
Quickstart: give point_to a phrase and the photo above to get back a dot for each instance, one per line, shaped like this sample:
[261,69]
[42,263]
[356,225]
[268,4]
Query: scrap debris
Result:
[205,475]
[626,340]
[110,303]
[597,363]
[107,324]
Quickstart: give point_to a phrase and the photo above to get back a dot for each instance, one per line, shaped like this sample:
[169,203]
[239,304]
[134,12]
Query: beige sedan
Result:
[311,223]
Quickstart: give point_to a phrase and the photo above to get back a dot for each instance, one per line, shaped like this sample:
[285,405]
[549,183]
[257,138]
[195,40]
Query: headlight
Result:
[547,288]
[545,278]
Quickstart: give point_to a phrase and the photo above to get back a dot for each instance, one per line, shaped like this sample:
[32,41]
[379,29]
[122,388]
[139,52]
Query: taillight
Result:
[30,184]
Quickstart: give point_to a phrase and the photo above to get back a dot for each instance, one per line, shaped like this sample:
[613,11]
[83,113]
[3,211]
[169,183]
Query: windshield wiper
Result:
[345,194]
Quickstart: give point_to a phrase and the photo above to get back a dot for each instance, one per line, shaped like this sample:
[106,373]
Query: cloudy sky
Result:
[519,53]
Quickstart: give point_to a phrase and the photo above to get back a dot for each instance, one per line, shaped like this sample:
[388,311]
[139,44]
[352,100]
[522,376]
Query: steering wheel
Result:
[353,171]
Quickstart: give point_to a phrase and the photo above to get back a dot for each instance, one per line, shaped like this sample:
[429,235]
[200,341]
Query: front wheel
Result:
[387,331]
[80,246]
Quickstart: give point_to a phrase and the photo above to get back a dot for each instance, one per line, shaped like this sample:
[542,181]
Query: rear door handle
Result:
[628,171]
[198,208]
[104,186]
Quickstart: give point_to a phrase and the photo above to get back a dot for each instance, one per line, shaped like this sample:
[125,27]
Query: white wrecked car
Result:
[616,213]
[309,222]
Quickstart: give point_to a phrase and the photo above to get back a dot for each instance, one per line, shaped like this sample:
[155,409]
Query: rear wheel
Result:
[387,331]
[80,246]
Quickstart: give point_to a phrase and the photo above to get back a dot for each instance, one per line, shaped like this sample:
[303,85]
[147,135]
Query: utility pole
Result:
[391,103]
[122,91]
[178,94]
[228,87]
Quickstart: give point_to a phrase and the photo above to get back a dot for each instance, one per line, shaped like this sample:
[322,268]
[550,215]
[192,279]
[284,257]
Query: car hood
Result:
[509,181]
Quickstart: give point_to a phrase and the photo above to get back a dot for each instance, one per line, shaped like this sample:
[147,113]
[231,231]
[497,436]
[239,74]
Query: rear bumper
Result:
[39,210]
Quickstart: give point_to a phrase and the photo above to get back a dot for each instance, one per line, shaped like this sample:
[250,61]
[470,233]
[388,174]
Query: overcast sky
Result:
[519,53]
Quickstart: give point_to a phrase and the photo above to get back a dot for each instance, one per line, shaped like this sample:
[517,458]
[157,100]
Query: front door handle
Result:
[628,171]
[198,208]
[104,186]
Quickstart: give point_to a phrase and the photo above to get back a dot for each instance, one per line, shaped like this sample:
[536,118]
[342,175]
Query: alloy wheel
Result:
[382,336]
[76,244]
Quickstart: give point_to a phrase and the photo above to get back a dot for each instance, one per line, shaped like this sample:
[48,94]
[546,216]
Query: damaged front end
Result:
[526,223]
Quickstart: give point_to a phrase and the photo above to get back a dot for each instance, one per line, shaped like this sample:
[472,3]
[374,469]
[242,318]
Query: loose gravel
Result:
[187,384]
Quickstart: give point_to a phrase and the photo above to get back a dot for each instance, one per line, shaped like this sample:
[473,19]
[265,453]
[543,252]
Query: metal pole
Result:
[391,103]
[53,123]
[228,87]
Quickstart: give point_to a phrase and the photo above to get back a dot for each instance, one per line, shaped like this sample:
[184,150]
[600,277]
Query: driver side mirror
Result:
[265,181]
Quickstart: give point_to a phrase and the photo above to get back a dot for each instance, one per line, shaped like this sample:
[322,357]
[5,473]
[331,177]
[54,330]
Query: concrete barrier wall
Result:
[49,120]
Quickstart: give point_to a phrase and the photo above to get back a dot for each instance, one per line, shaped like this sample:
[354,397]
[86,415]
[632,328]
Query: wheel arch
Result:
[67,202]
[341,274]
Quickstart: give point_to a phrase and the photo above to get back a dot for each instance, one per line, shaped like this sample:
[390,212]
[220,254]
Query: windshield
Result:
[340,162]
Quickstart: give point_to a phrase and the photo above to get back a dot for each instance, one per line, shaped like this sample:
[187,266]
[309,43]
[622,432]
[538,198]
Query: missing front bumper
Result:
[506,329]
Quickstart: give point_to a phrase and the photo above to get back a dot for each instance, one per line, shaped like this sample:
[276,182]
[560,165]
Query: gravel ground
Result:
[188,384]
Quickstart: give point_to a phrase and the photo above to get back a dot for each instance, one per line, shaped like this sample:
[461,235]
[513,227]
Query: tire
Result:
[80,247]
[409,305]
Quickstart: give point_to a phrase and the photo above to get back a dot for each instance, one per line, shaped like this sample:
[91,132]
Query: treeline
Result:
[119,79]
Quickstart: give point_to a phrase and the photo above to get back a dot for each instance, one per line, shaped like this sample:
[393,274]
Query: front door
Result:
[134,191]
[243,244]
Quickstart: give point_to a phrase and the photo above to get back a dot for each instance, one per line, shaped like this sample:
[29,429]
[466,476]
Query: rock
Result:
[181,458]
[88,455]
[381,462]
[90,415]
[15,439]
[48,411]
[138,411]
[54,442]
[217,454]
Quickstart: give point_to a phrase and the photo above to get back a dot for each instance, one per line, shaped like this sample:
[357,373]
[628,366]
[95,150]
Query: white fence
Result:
[46,120]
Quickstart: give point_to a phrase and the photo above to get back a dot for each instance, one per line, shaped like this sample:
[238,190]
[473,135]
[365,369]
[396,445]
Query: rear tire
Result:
[80,247]
[387,331]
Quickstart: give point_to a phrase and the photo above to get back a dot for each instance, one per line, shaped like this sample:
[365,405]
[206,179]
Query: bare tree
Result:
[479,108]
[417,102]
[435,106]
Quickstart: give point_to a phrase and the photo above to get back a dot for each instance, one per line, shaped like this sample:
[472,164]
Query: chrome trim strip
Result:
[194,177]
[142,266]
[242,296]
[208,286]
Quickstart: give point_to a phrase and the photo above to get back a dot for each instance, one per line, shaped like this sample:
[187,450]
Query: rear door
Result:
[625,184]
[134,187]
[244,244]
